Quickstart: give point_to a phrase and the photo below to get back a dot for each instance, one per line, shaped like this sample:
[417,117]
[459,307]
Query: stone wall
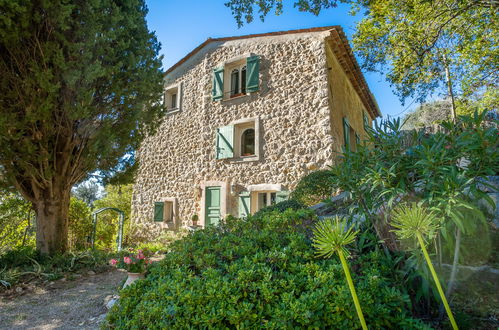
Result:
[344,101]
[294,113]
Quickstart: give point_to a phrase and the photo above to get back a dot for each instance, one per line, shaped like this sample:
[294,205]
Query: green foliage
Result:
[73,79]
[313,188]
[395,166]
[428,114]
[120,197]
[16,227]
[260,272]
[415,221]
[410,220]
[332,235]
[161,243]
[414,41]
[25,264]
[80,225]
[281,207]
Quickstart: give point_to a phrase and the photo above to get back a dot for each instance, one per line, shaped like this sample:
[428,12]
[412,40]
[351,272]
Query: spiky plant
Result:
[415,221]
[331,236]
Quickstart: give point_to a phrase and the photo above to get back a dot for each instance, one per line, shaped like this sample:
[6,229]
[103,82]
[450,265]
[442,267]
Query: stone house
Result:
[246,118]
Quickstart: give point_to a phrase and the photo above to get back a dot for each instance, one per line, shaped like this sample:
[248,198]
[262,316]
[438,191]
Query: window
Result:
[174,101]
[239,141]
[172,98]
[238,81]
[253,200]
[236,78]
[351,139]
[266,199]
[248,142]
[165,211]
[366,121]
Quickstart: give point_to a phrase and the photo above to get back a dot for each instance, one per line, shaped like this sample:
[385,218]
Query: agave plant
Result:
[331,236]
[415,221]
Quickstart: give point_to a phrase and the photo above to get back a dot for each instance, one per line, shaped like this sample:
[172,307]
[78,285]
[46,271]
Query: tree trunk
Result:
[448,80]
[52,223]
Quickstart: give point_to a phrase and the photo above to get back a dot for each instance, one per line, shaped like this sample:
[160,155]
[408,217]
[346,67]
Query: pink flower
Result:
[447,146]
[113,262]
[140,255]
[127,260]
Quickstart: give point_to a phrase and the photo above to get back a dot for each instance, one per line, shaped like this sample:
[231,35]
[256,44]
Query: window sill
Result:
[235,98]
[172,111]
[245,159]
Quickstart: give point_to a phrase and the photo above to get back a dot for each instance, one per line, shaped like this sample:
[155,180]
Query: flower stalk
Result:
[437,282]
[331,236]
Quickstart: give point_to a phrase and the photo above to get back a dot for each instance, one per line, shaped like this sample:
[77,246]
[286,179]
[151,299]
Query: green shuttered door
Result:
[218,84]
[212,205]
[225,142]
[252,75]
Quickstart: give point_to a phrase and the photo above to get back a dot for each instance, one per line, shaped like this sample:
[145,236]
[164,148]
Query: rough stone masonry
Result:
[305,89]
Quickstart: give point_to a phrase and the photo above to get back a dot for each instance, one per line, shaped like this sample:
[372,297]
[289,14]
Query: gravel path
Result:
[76,304]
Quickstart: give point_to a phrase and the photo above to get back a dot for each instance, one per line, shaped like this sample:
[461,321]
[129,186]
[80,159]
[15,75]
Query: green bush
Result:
[16,225]
[258,273]
[281,207]
[313,188]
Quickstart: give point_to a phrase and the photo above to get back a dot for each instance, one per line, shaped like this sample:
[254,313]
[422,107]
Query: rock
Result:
[111,303]
[19,289]
[91,272]
[110,300]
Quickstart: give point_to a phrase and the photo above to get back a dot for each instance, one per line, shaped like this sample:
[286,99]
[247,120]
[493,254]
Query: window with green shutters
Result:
[236,78]
[346,133]
[218,84]
[159,211]
[244,204]
[225,142]
[252,73]
[366,121]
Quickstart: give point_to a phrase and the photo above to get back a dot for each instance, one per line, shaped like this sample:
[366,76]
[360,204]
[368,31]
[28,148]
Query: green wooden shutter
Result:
[281,196]
[357,139]
[159,211]
[366,121]
[225,142]
[252,73]
[244,204]
[346,133]
[218,84]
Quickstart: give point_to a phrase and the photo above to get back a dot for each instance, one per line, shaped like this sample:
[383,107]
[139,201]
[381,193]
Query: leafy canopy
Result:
[80,86]
[413,41]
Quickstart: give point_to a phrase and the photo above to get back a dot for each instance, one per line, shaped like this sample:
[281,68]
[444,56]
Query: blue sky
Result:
[182,25]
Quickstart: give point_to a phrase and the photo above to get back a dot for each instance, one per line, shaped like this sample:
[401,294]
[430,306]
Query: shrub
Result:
[281,207]
[313,188]
[258,273]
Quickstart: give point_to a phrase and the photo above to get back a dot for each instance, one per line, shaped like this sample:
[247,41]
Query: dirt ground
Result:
[63,304]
